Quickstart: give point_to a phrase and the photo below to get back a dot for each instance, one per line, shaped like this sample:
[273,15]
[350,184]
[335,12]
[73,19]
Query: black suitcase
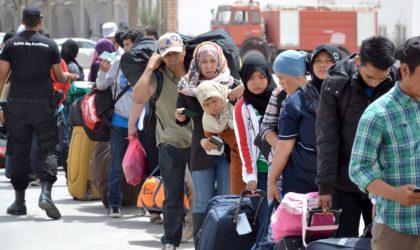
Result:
[219,228]
[290,243]
[341,244]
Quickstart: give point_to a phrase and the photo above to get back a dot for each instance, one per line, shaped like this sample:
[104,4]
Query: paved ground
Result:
[84,225]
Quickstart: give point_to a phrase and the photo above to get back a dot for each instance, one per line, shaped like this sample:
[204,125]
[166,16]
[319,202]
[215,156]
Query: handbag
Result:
[298,215]
[263,146]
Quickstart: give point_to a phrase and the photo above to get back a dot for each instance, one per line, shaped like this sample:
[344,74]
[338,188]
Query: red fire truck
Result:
[278,28]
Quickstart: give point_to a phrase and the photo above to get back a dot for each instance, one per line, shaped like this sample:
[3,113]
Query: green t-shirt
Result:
[167,131]
[262,164]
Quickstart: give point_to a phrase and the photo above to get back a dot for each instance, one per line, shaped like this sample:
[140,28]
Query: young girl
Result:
[218,121]
[259,84]
[101,46]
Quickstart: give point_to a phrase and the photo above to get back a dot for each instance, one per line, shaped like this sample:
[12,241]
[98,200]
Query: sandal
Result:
[156,219]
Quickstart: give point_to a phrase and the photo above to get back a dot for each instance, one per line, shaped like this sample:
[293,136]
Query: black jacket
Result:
[343,101]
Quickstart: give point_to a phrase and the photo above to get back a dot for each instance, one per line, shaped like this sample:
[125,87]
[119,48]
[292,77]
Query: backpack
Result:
[150,119]
[97,108]
[135,61]
[133,64]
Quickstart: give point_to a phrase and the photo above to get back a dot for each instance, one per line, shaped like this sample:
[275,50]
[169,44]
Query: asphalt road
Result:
[83,225]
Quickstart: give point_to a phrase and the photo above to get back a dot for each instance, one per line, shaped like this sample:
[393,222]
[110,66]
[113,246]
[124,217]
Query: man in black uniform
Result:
[31,108]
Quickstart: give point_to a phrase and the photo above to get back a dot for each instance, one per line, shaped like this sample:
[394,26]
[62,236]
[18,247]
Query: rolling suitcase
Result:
[219,228]
[341,244]
[79,183]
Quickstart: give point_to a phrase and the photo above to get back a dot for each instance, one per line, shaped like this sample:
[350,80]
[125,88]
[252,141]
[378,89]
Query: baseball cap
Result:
[109,29]
[31,12]
[170,42]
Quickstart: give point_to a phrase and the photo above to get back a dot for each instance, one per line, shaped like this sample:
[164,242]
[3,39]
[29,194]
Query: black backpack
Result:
[135,61]
[96,109]
[220,37]
[150,119]
[133,64]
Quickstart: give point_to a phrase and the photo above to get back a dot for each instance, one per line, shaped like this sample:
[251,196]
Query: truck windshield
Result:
[223,16]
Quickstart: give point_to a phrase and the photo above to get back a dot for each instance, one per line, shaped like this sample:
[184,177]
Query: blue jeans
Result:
[205,180]
[118,147]
[172,163]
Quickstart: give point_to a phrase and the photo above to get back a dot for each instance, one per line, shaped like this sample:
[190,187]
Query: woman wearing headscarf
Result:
[101,46]
[249,110]
[221,73]
[295,156]
[69,51]
[206,170]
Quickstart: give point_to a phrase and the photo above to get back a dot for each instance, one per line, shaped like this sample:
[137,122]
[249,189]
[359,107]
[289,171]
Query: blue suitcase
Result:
[219,228]
[341,244]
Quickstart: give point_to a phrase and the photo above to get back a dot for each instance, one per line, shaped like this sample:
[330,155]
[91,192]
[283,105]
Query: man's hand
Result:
[132,130]
[154,61]
[273,191]
[325,202]
[405,195]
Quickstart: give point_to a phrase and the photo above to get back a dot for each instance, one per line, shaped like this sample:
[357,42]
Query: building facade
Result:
[84,18]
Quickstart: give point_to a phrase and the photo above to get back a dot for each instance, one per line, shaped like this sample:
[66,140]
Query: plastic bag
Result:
[134,162]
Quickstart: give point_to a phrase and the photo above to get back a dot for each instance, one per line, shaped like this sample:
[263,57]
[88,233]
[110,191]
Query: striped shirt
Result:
[387,147]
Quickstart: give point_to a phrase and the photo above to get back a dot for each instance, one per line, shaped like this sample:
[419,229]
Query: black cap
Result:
[409,51]
[31,12]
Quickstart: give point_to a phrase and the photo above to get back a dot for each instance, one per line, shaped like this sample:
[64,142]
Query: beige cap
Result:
[170,42]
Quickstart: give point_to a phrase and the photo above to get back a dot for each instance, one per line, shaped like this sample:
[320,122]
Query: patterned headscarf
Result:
[188,84]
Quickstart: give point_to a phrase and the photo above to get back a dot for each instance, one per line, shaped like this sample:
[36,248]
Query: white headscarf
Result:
[219,123]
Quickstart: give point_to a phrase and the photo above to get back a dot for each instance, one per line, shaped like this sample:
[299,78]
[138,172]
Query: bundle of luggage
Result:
[94,110]
[296,224]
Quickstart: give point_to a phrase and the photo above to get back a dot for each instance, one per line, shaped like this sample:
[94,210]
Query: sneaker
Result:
[168,247]
[114,212]
[187,234]
[35,183]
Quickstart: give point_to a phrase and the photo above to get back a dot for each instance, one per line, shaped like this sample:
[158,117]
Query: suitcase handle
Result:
[318,210]
[245,193]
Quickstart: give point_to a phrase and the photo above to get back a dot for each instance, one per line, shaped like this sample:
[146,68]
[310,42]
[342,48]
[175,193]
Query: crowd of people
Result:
[350,132]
